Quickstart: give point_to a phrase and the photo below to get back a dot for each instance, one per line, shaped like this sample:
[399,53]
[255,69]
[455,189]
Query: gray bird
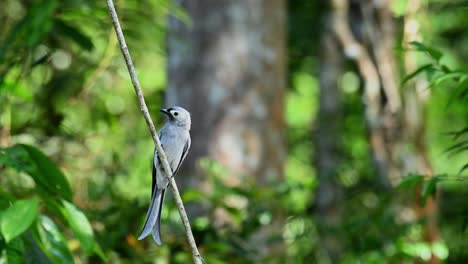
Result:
[175,140]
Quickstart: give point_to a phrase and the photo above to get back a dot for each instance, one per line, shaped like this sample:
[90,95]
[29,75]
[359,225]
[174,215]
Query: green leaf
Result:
[457,134]
[48,177]
[448,76]
[33,252]
[458,151]
[98,250]
[17,89]
[15,251]
[456,146]
[416,72]
[463,168]
[429,188]
[39,21]
[18,217]
[445,68]
[431,72]
[459,90]
[74,34]
[5,199]
[52,242]
[48,173]
[410,181]
[434,53]
[80,226]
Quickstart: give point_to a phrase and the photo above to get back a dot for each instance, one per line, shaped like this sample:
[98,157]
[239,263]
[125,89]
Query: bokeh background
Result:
[323,131]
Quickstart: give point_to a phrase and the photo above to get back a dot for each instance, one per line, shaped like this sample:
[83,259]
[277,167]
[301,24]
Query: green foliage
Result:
[81,228]
[14,251]
[432,52]
[413,182]
[51,241]
[50,179]
[74,34]
[64,89]
[438,74]
[17,218]
[424,68]
[460,146]
[22,217]
[410,181]
[244,212]
[429,188]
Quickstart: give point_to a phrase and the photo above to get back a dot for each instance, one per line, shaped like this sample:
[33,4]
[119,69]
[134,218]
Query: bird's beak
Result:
[164,111]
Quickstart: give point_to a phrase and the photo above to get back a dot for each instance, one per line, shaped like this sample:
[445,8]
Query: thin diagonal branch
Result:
[144,109]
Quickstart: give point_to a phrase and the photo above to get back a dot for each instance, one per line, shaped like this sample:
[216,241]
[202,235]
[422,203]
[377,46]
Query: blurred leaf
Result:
[459,150]
[15,251]
[98,250]
[416,72]
[415,249]
[29,31]
[193,195]
[18,217]
[80,226]
[74,34]
[463,168]
[448,76]
[52,241]
[410,181]
[445,68]
[235,213]
[457,134]
[5,198]
[458,91]
[42,60]
[431,72]
[33,253]
[440,249]
[434,53]
[457,146]
[45,173]
[48,172]
[429,188]
[39,21]
[215,259]
[16,89]
[301,105]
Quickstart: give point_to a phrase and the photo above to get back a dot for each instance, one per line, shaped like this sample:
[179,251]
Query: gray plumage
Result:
[175,140]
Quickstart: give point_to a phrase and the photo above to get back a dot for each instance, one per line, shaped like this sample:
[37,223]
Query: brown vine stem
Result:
[144,109]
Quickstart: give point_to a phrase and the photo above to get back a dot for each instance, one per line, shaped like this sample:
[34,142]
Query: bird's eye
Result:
[176,114]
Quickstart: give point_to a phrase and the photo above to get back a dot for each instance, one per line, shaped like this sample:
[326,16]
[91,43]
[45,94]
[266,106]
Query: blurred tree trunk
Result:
[395,121]
[227,67]
[328,154]
[365,30]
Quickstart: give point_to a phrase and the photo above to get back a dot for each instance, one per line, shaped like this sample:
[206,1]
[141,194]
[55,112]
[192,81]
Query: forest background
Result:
[323,131]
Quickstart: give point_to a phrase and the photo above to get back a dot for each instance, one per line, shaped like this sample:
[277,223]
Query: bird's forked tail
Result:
[153,217]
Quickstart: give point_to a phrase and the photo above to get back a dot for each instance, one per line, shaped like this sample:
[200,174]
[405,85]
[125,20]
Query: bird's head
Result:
[179,116]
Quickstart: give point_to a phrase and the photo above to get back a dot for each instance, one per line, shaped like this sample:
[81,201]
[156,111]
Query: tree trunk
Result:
[365,33]
[228,69]
[395,121]
[328,154]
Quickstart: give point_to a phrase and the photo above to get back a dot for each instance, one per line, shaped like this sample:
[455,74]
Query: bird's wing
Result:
[154,175]
[184,154]
[155,164]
